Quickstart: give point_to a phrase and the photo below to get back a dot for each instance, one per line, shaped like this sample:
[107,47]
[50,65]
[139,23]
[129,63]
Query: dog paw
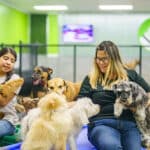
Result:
[117,114]
[19,108]
[118,108]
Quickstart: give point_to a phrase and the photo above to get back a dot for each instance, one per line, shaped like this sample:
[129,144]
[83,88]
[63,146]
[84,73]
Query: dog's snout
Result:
[35,75]
[124,96]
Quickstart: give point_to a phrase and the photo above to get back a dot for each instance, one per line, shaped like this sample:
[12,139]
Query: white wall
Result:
[120,28]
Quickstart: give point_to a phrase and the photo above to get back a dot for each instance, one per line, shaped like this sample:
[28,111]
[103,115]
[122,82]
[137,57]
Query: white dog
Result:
[83,109]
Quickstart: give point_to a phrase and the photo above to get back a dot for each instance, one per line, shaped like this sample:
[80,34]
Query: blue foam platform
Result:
[82,143]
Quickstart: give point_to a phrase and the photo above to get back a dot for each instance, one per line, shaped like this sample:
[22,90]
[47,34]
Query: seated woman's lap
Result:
[115,135]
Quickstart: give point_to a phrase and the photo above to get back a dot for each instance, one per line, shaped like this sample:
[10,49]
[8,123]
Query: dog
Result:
[50,128]
[9,88]
[33,88]
[132,64]
[81,111]
[83,106]
[40,77]
[75,121]
[35,85]
[63,87]
[24,104]
[132,96]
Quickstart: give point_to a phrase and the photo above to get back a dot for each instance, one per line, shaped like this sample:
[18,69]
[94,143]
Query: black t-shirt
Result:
[106,98]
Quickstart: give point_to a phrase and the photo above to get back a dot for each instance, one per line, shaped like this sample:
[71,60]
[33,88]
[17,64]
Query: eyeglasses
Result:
[103,59]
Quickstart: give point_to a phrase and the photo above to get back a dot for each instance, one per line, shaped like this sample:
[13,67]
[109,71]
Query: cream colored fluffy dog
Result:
[76,117]
[28,120]
[67,88]
[50,129]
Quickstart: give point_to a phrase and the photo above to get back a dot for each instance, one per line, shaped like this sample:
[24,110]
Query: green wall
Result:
[14,26]
[53,34]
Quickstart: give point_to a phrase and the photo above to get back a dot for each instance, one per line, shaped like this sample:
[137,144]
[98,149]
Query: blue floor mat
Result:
[82,143]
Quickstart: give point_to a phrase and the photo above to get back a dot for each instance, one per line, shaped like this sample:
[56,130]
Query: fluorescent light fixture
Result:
[115,7]
[50,7]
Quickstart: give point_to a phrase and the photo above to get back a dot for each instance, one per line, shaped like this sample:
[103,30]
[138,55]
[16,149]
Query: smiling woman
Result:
[105,131]
[102,60]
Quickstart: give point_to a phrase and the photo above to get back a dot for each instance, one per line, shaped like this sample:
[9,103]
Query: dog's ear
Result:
[38,69]
[132,86]
[114,86]
[49,71]
[84,118]
[65,85]
[35,68]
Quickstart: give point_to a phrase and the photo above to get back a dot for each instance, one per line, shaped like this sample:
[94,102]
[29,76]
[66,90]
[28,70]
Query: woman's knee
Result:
[6,128]
[106,144]
[102,141]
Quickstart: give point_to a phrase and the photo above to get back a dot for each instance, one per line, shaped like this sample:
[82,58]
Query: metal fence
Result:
[72,62]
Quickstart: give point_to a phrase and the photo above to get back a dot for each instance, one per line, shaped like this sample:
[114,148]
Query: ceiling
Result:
[76,6]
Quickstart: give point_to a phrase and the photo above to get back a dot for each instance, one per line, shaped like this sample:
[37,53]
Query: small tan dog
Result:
[132,64]
[50,129]
[26,103]
[63,87]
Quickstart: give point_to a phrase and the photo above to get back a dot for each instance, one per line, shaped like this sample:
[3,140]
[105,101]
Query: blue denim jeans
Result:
[6,128]
[114,134]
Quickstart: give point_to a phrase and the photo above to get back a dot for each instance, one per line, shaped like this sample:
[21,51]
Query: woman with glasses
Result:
[105,131]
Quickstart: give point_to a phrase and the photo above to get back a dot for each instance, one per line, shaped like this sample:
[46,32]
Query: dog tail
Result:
[132,64]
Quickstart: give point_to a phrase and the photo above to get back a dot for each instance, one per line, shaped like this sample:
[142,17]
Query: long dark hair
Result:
[4,51]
